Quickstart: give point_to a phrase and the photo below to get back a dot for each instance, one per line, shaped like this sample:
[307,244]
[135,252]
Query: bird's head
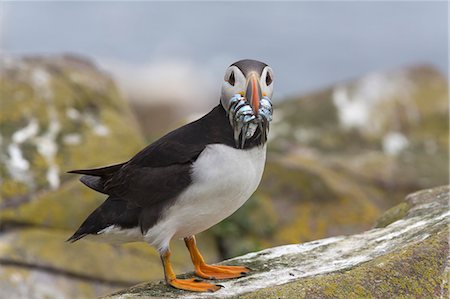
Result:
[246,97]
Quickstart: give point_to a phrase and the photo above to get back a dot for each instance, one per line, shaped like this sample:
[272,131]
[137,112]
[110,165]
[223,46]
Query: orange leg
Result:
[211,272]
[193,284]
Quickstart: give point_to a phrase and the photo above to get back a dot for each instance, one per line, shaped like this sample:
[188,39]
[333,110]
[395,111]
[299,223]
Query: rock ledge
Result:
[409,256]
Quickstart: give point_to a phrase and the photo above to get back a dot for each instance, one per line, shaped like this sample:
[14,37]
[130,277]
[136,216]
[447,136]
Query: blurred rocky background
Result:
[338,158]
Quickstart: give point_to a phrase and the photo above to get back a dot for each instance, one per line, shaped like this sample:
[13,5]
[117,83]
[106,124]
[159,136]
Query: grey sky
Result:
[308,44]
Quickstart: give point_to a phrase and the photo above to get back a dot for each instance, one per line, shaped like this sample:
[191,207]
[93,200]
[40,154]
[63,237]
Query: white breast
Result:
[223,178]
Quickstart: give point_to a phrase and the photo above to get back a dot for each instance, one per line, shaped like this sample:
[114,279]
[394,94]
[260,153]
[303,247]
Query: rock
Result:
[31,257]
[58,113]
[388,128]
[408,257]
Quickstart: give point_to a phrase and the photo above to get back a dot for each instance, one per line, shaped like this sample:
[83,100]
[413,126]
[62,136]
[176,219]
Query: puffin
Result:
[190,179]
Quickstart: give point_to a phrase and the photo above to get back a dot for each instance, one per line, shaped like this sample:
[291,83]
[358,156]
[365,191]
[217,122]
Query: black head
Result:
[249,65]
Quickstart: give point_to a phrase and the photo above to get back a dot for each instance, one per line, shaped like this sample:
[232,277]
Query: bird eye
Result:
[231,80]
[268,79]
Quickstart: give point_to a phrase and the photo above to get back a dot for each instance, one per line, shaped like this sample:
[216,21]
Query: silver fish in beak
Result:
[249,112]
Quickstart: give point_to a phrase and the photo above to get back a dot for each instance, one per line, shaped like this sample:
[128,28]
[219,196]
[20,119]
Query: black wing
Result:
[161,171]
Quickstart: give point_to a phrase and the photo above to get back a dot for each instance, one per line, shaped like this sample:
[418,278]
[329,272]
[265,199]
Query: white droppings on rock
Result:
[45,143]
[40,80]
[26,133]
[279,251]
[71,139]
[356,104]
[101,130]
[17,165]
[73,113]
[12,63]
[394,143]
[48,148]
[53,176]
[352,113]
[96,125]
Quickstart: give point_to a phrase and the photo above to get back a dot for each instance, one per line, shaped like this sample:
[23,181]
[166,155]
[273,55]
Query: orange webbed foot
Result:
[208,271]
[194,285]
[220,272]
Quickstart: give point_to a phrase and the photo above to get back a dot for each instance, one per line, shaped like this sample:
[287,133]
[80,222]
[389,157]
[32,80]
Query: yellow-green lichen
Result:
[315,201]
[80,99]
[393,214]
[415,272]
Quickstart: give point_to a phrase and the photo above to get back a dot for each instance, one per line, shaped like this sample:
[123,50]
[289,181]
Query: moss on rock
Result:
[393,214]
[398,144]
[315,201]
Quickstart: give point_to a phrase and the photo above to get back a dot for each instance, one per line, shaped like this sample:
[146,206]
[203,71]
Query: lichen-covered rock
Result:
[388,128]
[58,113]
[30,257]
[408,257]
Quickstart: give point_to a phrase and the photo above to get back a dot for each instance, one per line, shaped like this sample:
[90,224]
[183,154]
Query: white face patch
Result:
[234,83]
[266,81]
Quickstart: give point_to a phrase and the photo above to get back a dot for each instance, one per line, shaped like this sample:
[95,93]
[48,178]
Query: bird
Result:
[190,179]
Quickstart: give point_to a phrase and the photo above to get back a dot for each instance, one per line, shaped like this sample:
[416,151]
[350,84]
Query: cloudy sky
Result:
[149,45]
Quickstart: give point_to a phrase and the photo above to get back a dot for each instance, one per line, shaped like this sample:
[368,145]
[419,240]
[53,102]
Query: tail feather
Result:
[93,182]
[113,211]
[94,178]
[101,171]
[75,237]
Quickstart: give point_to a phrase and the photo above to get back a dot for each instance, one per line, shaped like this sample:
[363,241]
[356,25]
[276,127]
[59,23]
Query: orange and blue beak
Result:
[253,92]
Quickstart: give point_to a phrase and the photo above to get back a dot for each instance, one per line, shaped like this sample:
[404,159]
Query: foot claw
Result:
[217,285]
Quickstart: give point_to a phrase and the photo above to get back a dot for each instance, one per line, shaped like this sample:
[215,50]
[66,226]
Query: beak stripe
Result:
[255,95]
